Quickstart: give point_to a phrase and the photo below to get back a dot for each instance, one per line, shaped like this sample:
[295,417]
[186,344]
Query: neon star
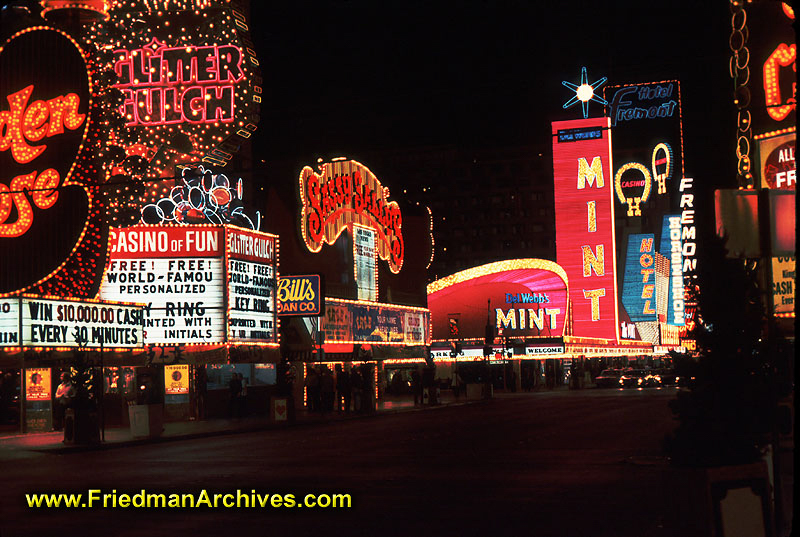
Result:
[155,45]
[585,92]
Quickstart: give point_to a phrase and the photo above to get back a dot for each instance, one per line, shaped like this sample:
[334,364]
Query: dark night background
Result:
[350,76]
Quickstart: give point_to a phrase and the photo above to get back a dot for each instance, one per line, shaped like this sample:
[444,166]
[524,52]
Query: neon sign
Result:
[585,243]
[633,202]
[778,164]
[689,229]
[49,143]
[527,298]
[165,85]
[672,249]
[202,198]
[535,289]
[300,295]
[345,193]
[621,109]
[32,122]
[639,283]
[782,56]
[661,168]
[584,93]
[662,165]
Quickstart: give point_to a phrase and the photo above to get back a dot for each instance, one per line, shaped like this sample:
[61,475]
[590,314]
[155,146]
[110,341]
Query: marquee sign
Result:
[178,272]
[345,193]
[252,306]
[585,242]
[202,284]
[347,321]
[48,200]
[9,322]
[45,322]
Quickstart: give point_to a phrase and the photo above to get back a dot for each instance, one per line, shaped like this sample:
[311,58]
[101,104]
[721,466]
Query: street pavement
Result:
[565,463]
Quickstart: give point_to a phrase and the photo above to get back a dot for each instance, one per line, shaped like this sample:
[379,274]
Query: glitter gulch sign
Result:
[167,85]
[346,193]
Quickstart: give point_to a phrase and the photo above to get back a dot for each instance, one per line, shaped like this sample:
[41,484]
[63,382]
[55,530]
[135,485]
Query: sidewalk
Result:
[52,442]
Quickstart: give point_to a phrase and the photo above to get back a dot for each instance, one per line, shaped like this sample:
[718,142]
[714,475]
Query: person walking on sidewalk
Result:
[235,391]
[312,390]
[357,385]
[456,383]
[327,390]
[243,396]
[342,389]
[416,386]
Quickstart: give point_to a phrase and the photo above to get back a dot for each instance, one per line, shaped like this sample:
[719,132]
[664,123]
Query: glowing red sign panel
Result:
[585,248]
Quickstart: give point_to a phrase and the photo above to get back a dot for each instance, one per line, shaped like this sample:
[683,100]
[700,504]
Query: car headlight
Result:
[639,381]
[658,378]
[621,381]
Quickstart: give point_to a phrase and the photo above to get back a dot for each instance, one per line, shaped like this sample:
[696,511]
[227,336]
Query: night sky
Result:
[350,76]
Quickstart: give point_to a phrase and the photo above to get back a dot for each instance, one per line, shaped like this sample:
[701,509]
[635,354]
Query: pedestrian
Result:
[416,386]
[201,381]
[312,390]
[456,383]
[327,389]
[65,394]
[357,386]
[343,389]
[243,396]
[8,391]
[234,391]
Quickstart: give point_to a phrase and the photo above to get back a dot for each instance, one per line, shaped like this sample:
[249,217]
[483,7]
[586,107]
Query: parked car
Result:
[667,377]
[609,378]
[639,378]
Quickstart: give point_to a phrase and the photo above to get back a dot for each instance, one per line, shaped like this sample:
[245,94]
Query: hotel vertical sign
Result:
[585,247]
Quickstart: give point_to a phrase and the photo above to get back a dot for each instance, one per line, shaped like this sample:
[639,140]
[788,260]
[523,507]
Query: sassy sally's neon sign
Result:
[347,193]
[168,85]
[20,125]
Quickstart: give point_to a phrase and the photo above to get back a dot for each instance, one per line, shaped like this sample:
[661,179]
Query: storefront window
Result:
[219,376]
[119,380]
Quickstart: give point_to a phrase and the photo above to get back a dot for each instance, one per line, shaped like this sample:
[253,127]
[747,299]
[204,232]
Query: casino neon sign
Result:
[23,123]
[168,85]
[345,193]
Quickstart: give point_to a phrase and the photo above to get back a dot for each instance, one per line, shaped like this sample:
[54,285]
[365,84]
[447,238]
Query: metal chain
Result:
[740,73]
